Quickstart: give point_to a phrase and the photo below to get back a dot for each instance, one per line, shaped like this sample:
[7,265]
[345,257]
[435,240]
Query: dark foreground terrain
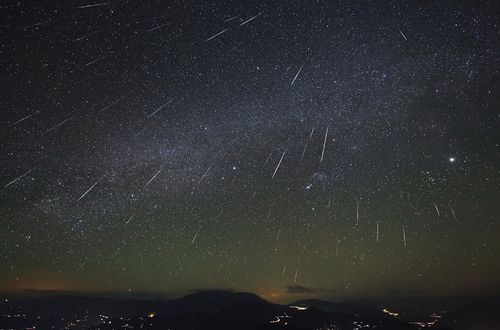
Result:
[228,310]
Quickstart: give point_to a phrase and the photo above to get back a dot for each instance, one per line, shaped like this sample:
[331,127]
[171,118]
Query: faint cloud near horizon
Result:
[299,289]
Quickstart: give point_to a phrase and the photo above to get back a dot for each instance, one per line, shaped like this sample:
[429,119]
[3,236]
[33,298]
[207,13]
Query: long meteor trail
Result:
[93,5]
[18,178]
[154,177]
[250,19]
[85,193]
[279,163]
[161,107]
[216,35]
[324,145]
[296,75]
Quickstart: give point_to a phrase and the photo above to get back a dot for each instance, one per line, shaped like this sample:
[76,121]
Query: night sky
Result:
[286,148]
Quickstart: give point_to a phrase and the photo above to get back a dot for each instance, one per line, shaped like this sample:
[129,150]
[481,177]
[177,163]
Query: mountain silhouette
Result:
[211,301]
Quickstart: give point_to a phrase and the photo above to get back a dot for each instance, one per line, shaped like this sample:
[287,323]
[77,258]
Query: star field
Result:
[330,148]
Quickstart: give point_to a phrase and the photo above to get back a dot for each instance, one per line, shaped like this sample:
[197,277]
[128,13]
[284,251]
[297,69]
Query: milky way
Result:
[332,148]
